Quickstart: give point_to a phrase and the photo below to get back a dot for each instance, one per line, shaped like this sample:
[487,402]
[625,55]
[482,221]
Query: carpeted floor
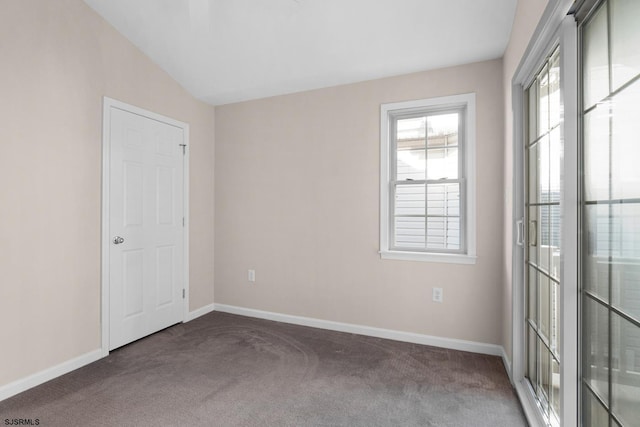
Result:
[227,370]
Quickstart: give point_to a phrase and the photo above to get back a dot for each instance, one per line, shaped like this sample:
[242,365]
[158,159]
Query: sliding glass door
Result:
[577,190]
[610,252]
[542,237]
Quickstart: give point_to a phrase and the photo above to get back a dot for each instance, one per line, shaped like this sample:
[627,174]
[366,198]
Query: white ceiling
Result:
[225,51]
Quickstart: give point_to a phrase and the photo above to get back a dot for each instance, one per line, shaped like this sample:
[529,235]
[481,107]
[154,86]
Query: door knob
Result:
[117,240]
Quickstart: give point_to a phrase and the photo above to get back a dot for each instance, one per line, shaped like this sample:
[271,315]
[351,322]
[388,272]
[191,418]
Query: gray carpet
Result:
[227,370]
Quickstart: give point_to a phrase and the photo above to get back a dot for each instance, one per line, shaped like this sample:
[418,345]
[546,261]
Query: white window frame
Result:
[466,102]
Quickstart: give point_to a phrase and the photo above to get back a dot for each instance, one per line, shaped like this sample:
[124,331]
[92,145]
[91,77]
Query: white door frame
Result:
[108,104]
[555,28]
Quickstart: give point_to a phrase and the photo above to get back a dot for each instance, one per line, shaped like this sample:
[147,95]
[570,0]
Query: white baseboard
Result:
[18,386]
[199,312]
[38,378]
[450,343]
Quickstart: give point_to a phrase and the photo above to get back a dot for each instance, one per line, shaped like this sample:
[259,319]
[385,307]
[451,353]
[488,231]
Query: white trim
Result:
[450,343]
[470,173]
[441,101]
[429,256]
[104,218]
[468,100]
[507,364]
[185,212]
[23,384]
[542,38]
[108,104]
[384,180]
[530,407]
[199,312]
[569,294]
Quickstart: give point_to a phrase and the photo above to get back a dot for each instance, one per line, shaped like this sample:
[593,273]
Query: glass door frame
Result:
[556,28]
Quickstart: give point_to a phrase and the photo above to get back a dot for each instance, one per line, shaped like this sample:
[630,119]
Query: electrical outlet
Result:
[252,275]
[437,294]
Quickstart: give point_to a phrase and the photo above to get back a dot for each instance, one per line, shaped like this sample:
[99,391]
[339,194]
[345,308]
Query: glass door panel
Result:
[595,69]
[543,152]
[625,39]
[610,252]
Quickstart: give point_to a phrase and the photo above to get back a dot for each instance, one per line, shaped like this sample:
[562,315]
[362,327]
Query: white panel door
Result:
[145,226]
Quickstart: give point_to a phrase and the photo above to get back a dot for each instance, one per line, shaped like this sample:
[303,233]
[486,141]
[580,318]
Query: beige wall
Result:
[297,199]
[58,58]
[528,14]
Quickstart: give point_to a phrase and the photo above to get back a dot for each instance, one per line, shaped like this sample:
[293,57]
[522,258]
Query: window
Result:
[428,180]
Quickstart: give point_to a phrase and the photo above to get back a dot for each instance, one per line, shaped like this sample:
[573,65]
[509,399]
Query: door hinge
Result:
[183,293]
[183,221]
[184,148]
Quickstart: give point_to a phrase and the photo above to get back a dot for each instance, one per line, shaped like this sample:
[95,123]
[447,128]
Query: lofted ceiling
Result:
[225,51]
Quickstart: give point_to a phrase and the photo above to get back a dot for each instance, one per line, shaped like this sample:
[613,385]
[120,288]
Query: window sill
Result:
[429,257]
